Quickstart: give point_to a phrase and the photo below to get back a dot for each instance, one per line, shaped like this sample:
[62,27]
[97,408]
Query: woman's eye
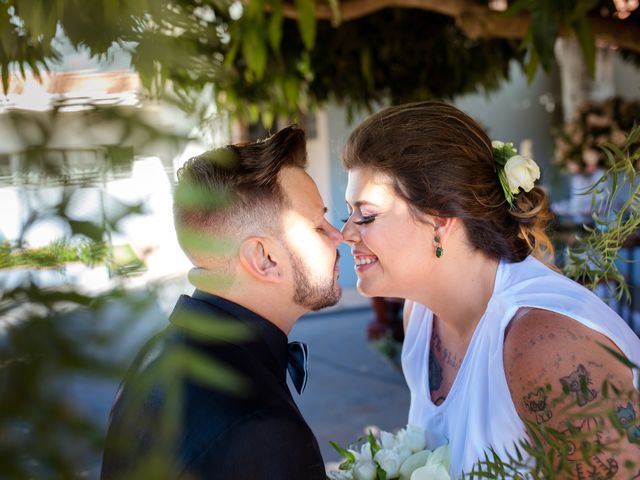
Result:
[365,219]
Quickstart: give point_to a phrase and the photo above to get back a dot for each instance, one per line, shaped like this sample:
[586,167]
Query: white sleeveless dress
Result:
[478,413]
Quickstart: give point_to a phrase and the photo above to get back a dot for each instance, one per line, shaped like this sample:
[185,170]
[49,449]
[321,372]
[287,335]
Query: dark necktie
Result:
[297,359]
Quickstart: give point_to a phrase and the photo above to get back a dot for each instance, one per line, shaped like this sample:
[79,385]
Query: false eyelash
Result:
[365,220]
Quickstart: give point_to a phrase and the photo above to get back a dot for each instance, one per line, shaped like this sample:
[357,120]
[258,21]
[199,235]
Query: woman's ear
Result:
[260,258]
[445,225]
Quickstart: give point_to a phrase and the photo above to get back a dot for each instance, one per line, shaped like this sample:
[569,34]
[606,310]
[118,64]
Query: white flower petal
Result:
[431,472]
[387,440]
[415,461]
[364,471]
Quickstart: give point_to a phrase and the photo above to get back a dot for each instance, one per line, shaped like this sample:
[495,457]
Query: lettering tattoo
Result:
[627,417]
[577,383]
[536,403]
[449,357]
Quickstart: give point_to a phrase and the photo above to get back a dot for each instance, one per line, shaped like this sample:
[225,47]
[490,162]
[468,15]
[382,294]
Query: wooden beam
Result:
[477,21]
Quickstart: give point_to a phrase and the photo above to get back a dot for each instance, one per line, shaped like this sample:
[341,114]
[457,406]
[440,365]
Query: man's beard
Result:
[316,295]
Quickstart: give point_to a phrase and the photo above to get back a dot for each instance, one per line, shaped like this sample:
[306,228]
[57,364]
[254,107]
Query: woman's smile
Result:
[364,262]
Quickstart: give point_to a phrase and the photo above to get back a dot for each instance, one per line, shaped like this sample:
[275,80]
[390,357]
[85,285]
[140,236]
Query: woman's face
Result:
[392,250]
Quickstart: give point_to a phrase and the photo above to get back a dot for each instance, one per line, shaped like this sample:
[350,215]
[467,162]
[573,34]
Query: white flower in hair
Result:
[522,173]
[514,171]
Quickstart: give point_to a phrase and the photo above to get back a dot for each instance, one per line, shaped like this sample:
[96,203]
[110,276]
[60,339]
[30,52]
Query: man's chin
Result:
[329,300]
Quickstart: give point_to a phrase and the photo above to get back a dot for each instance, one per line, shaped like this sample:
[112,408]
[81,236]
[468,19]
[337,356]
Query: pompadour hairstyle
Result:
[226,191]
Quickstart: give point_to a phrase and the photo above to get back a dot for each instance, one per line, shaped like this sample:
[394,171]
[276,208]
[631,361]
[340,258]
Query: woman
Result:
[494,336]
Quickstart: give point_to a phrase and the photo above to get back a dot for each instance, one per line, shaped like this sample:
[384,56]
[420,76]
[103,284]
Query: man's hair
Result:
[225,192]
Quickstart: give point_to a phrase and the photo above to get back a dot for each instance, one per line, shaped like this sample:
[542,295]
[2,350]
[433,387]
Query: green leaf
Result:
[587,41]
[204,369]
[365,64]
[618,356]
[373,443]
[544,29]
[89,229]
[336,19]
[203,327]
[4,68]
[345,453]
[381,474]
[520,6]
[275,25]
[254,51]
[531,66]
[307,21]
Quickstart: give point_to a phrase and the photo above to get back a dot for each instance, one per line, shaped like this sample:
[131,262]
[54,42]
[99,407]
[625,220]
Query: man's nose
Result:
[336,236]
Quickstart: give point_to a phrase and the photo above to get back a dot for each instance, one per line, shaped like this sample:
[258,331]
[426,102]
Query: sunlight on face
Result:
[310,240]
[390,247]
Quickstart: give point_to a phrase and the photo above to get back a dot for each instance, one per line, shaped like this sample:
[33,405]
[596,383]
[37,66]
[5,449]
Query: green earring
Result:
[439,249]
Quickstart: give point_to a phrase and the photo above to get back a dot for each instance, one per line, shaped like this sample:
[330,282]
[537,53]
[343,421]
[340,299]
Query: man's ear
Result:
[259,257]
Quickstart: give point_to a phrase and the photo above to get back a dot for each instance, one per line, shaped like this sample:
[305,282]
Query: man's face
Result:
[311,241]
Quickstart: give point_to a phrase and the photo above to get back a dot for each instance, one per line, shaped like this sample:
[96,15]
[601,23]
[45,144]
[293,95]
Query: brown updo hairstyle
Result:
[441,163]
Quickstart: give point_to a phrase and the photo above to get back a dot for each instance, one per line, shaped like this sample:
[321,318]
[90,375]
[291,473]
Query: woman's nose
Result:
[350,232]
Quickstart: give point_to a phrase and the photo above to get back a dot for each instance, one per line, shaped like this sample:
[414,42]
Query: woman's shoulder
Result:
[532,284]
[541,345]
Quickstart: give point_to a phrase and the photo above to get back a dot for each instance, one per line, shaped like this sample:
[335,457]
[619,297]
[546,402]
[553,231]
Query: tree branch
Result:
[477,21]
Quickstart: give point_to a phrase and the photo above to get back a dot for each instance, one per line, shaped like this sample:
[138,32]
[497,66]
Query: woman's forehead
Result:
[367,185]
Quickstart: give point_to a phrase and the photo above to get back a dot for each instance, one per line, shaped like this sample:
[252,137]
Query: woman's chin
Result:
[367,290]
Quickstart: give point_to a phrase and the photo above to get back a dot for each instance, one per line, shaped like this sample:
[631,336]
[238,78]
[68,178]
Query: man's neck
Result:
[260,299]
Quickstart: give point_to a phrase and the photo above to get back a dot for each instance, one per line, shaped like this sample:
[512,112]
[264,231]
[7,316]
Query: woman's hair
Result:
[441,162]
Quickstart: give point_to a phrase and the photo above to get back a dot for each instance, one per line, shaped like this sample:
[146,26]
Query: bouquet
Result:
[577,143]
[403,456]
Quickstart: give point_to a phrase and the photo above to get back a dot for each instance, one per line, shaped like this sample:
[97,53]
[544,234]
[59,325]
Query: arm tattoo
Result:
[536,403]
[577,383]
[599,464]
[627,417]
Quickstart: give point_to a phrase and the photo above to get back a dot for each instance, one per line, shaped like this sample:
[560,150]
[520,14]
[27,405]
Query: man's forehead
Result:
[302,191]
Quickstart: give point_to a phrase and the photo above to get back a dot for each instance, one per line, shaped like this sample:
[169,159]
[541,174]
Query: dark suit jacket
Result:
[169,421]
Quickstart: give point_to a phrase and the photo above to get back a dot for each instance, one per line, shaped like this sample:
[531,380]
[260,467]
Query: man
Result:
[208,398]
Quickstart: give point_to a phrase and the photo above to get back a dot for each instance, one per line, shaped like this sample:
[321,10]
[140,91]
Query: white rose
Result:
[387,440]
[441,456]
[364,470]
[403,452]
[521,172]
[415,438]
[497,144]
[415,461]
[388,461]
[364,455]
[431,472]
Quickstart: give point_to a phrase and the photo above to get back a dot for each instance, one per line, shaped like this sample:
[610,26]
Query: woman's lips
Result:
[365,262]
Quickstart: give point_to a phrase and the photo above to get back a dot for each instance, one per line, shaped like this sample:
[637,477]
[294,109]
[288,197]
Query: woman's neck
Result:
[461,293]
